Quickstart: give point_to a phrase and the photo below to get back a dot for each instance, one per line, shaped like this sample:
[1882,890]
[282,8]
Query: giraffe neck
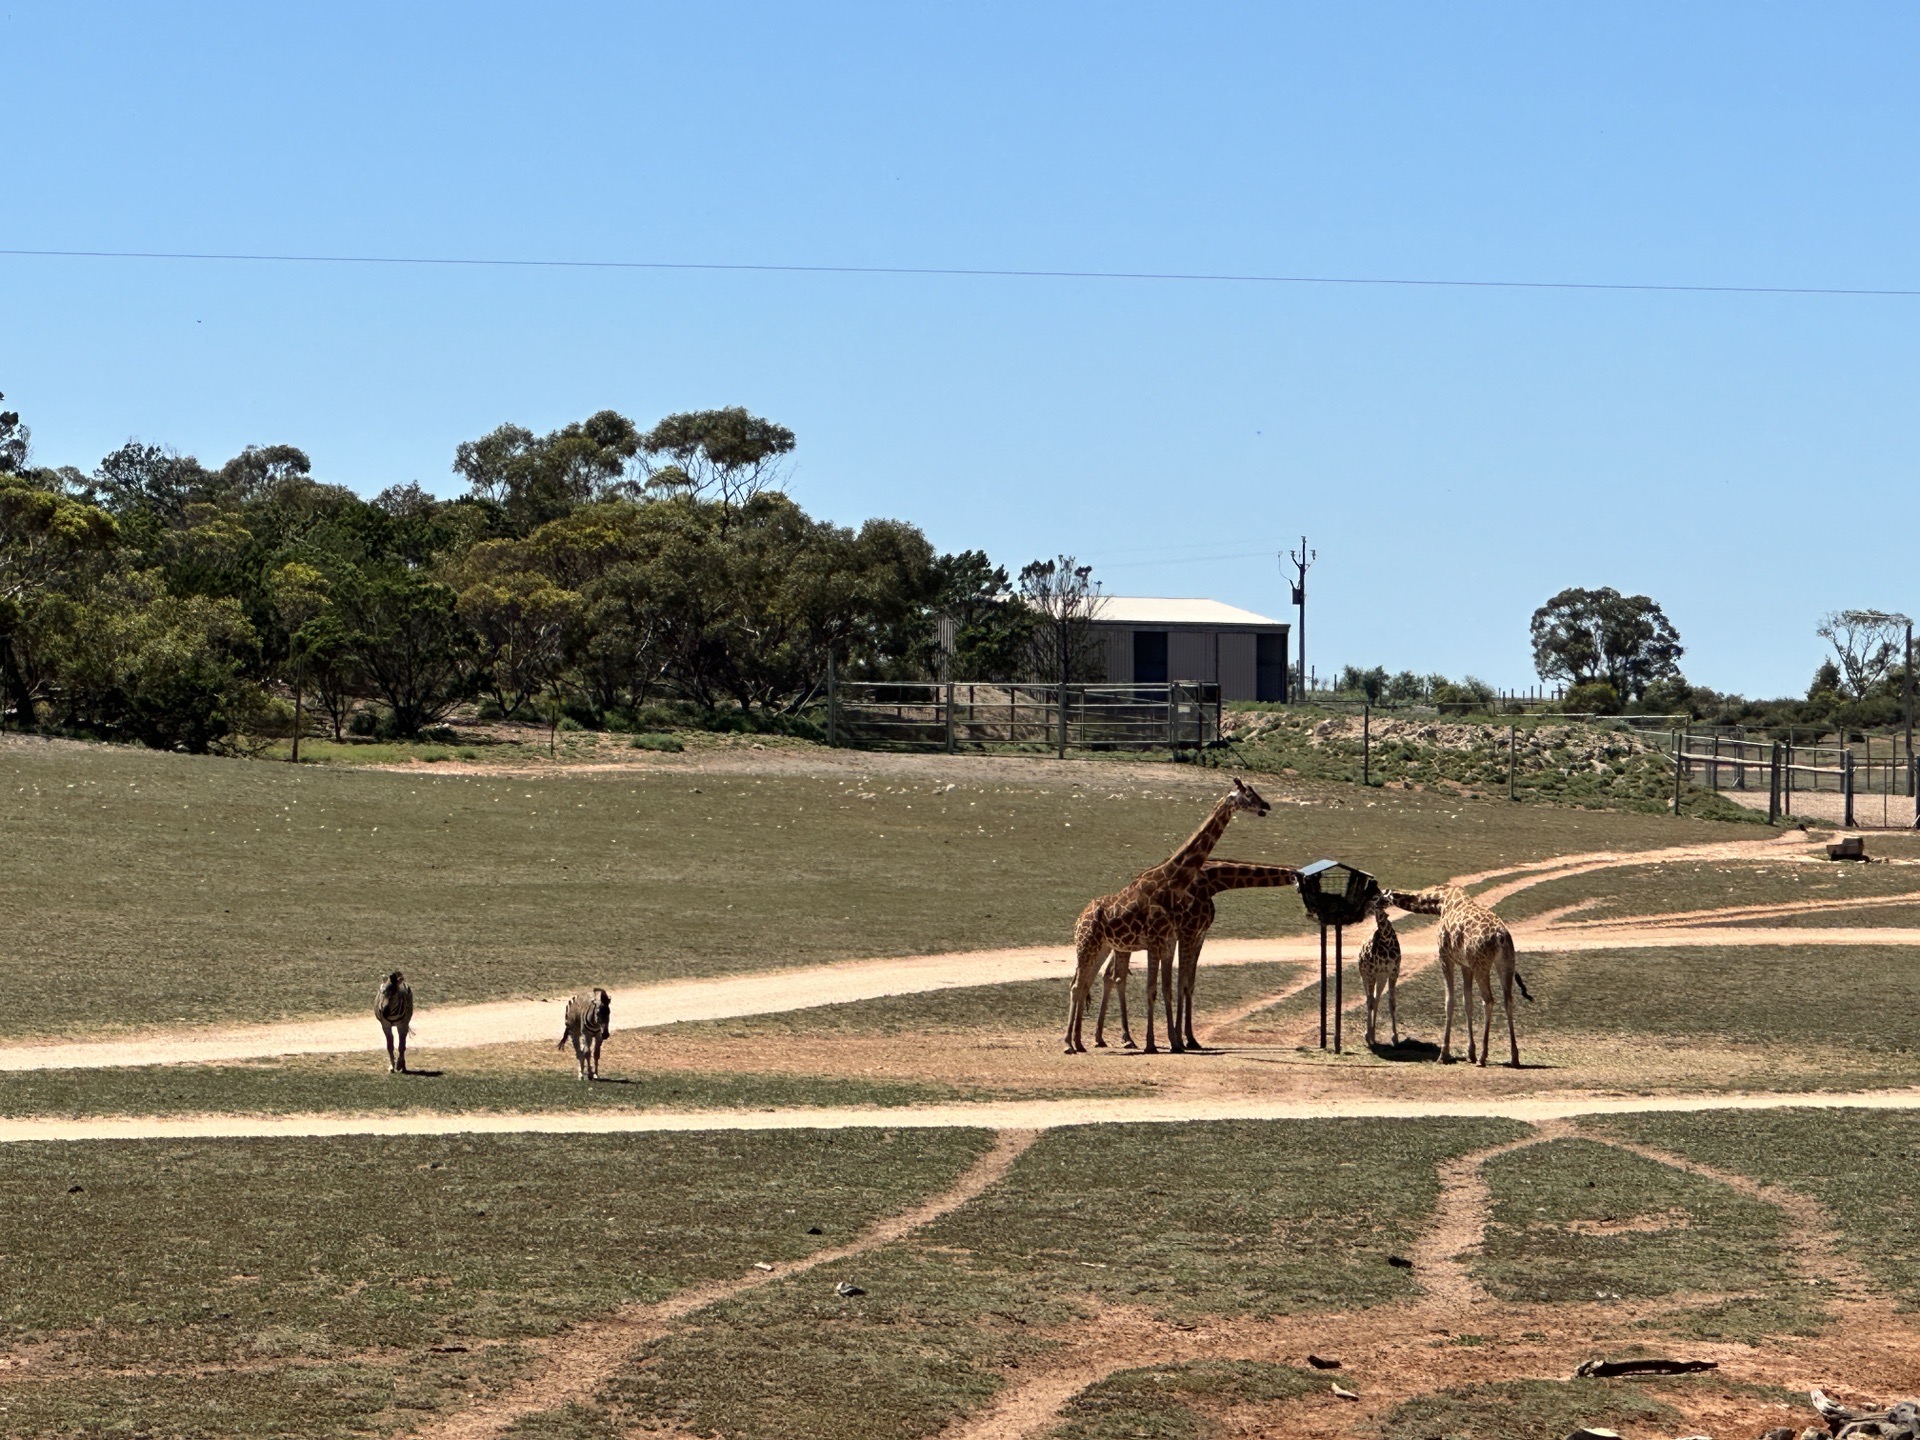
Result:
[1420,902]
[1192,855]
[1219,875]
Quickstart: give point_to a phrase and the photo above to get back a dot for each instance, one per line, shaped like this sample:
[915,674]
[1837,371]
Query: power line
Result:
[968,272]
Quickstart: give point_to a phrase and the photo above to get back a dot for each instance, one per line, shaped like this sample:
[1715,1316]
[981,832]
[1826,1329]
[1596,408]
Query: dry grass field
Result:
[899,1211]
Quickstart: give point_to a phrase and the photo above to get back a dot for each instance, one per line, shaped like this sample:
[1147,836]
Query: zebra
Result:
[393,1008]
[589,1021]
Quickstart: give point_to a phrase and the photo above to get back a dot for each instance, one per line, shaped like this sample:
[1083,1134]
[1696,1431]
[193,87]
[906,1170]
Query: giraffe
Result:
[1475,942]
[1193,918]
[1380,970]
[1140,916]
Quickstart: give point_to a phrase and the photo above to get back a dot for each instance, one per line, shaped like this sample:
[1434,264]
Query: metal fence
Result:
[963,715]
[1871,781]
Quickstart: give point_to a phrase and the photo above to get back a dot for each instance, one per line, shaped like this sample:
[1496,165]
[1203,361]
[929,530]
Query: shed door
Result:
[1271,660]
[1150,657]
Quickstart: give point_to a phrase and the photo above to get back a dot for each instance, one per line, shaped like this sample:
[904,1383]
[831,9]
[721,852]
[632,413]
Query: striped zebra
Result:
[589,1021]
[393,1008]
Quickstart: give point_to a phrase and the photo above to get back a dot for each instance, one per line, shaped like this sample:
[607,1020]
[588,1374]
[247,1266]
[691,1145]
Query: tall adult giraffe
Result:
[1141,916]
[1475,942]
[1193,918]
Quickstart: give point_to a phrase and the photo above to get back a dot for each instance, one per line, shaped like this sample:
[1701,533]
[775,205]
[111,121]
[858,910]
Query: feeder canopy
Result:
[1336,894]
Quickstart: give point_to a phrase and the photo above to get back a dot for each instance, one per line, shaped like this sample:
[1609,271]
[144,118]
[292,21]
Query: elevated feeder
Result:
[1337,895]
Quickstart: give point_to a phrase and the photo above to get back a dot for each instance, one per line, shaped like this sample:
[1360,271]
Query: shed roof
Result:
[1163,610]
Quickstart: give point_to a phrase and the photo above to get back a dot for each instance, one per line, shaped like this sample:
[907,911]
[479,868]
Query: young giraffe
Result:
[1141,917]
[1193,918]
[1380,971]
[1475,942]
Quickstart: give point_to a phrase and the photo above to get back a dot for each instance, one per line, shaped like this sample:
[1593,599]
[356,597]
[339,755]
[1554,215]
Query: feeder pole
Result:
[1323,984]
[1339,979]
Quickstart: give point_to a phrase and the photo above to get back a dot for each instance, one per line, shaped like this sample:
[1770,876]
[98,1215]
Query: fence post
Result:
[1713,783]
[949,717]
[1786,800]
[1173,738]
[1063,719]
[1773,785]
[833,701]
[1846,783]
[1513,750]
[1366,744]
[1679,767]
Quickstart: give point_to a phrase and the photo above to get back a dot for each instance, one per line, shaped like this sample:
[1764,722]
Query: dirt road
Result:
[991,1115]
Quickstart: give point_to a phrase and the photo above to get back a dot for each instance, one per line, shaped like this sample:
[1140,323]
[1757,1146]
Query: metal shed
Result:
[1153,640]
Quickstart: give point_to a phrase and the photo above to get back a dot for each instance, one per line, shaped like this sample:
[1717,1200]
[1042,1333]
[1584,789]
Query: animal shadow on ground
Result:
[420,1074]
[1407,1049]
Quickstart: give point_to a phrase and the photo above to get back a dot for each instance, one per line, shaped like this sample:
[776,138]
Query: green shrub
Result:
[668,743]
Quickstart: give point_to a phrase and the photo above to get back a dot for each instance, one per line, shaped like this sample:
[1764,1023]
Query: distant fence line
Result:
[1719,760]
[971,715]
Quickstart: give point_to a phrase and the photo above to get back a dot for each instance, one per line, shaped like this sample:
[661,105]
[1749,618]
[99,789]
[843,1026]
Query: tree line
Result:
[601,570]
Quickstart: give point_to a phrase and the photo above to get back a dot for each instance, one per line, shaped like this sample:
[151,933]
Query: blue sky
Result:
[1455,455]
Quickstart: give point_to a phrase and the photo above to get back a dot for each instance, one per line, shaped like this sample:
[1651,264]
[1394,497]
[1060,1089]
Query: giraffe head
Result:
[1244,797]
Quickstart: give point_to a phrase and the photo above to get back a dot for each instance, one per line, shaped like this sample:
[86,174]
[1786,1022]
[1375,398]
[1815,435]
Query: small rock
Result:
[1342,1392]
[1399,1262]
[1321,1362]
[1594,1432]
[761,1265]
[1779,1432]
[846,1288]
[1814,1432]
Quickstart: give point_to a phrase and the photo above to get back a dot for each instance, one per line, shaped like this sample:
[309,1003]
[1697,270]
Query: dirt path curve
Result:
[581,1359]
[989,1115]
[1394,1353]
[726,997]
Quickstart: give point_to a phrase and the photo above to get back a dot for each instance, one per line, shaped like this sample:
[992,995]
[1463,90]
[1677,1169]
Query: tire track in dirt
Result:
[1812,1236]
[586,1356]
[1442,1257]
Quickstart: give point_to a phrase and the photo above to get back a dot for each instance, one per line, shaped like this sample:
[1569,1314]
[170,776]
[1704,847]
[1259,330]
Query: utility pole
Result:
[1302,561]
[1909,700]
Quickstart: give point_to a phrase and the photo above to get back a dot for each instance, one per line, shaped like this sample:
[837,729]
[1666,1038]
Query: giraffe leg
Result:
[1486,1016]
[1513,1035]
[1126,1025]
[1189,971]
[1393,1006]
[1446,1037]
[1373,1009]
[1088,953]
[1106,994]
[1169,1003]
[1466,990]
[387,1031]
[403,1047]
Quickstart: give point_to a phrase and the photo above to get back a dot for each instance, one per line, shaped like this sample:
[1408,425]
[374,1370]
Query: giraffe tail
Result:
[1520,980]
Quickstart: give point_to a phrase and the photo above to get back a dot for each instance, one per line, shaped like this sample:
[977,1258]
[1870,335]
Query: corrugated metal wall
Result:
[1191,655]
[1239,672]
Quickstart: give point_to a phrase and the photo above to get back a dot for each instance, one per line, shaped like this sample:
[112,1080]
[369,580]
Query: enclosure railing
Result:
[973,715]
[1725,758]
